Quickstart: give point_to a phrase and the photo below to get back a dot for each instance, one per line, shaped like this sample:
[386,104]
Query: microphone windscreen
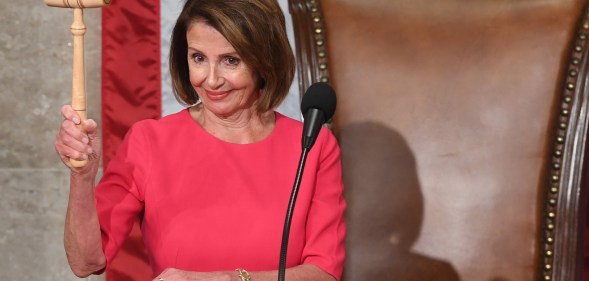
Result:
[320,96]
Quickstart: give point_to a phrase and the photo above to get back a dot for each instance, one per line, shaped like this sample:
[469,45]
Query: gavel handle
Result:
[78,29]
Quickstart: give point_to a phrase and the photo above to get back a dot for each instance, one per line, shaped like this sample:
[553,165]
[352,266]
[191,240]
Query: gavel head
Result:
[78,3]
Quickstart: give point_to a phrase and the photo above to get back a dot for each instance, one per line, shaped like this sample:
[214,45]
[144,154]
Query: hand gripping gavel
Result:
[78,30]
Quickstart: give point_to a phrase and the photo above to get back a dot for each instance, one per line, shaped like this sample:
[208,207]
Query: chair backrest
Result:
[463,127]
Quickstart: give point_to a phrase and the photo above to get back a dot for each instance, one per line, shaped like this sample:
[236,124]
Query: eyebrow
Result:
[229,54]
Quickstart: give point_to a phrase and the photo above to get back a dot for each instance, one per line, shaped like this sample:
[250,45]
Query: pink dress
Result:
[209,205]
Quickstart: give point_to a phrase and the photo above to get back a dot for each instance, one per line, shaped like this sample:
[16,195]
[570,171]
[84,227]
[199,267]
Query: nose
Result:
[215,77]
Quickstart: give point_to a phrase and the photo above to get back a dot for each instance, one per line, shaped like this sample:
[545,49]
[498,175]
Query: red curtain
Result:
[131,92]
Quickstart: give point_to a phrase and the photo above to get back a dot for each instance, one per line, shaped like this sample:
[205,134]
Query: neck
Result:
[246,126]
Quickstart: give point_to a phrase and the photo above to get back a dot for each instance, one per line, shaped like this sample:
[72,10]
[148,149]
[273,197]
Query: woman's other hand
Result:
[72,142]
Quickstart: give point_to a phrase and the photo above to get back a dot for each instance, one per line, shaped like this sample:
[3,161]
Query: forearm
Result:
[82,237]
[305,272]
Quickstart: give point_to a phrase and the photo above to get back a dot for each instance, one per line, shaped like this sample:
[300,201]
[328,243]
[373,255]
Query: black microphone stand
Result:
[289,213]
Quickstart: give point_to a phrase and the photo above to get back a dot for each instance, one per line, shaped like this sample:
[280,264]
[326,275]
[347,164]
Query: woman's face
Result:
[224,83]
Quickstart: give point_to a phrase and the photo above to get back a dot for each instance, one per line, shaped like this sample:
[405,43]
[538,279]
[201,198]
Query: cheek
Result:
[196,76]
[246,80]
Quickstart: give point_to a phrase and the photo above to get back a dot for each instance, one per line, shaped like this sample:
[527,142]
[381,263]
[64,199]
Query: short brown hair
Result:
[257,31]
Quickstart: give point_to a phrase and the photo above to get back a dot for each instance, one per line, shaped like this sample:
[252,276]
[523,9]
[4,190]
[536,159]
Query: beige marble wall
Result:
[35,80]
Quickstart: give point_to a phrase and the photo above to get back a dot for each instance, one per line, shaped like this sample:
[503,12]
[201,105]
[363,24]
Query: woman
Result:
[211,183]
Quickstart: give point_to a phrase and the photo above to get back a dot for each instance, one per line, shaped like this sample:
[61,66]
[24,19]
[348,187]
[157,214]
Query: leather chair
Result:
[463,128]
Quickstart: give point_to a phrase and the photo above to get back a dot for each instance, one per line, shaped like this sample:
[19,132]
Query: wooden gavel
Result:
[78,29]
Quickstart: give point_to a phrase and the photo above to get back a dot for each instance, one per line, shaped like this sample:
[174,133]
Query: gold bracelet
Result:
[243,274]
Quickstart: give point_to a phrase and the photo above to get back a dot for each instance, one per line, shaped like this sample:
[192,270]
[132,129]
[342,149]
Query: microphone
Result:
[317,107]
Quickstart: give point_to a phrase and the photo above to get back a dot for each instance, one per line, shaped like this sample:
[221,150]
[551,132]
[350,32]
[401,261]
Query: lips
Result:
[215,95]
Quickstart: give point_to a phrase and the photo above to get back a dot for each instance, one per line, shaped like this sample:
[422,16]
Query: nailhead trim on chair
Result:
[321,51]
[311,56]
[561,221]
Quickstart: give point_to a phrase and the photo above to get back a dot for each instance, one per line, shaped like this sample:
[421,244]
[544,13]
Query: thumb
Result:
[93,135]
[91,128]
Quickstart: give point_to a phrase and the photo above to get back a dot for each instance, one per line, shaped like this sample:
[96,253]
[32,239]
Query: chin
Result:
[222,110]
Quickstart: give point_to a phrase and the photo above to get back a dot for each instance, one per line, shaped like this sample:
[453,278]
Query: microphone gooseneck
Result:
[289,213]
[317,107]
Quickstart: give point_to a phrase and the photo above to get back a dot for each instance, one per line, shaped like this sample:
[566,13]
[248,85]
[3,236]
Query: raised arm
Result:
[82,236]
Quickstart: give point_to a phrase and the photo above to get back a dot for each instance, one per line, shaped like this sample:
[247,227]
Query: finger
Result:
[61,153]
[73,148]
[65,153]
[93,135]
[68,128]
[70,114]
[91,128]
[72,138]
[90,125]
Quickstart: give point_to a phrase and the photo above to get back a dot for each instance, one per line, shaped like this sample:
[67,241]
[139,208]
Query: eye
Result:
[197,57]
[232,61]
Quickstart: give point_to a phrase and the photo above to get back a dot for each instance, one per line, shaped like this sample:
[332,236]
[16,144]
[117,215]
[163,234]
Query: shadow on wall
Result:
[385,208]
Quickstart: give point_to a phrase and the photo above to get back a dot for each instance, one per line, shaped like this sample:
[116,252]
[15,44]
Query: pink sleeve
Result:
[119,199]
[326,227]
